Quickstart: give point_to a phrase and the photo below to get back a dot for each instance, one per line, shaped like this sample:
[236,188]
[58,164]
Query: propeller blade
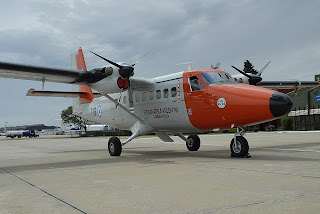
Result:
[245,74]
[262,69]
[141,58]
[112,63]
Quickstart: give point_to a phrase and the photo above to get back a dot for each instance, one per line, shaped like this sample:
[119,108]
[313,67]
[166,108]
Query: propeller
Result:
[125,71]
[253,78]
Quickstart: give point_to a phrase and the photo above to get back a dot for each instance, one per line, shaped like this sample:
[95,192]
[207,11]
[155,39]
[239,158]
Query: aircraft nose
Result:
[280,104]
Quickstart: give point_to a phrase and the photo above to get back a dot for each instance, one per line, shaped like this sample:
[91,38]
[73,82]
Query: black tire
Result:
[114,146]
[241,148]
[193,143]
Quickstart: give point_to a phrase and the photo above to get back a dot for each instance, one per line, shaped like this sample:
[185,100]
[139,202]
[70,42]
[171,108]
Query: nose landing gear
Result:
[239,145]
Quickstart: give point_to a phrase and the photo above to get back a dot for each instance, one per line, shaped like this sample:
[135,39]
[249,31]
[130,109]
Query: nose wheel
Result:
[239,145]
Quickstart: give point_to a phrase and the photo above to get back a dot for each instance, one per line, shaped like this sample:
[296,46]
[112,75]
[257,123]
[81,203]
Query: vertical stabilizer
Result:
[77,62]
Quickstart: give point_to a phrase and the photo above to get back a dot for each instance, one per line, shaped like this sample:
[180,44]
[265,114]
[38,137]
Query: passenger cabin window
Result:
[137,97]
[158,94]
[151,95]
[144,96]
[173,92]
[166,93]
[194,83]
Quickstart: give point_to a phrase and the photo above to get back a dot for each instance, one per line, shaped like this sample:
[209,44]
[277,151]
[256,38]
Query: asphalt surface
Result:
[77,175]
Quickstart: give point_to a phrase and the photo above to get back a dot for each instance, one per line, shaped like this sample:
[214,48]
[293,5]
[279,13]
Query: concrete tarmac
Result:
[77,175]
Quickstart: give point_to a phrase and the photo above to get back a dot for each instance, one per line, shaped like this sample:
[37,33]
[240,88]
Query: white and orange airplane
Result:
[191,102]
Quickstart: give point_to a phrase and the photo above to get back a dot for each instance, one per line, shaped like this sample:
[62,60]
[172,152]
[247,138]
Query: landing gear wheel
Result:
[114,146]
[193,143]
[240,148]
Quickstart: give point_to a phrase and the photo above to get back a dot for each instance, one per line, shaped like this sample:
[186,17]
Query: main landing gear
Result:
[239,145]
[114,146]
[193,142]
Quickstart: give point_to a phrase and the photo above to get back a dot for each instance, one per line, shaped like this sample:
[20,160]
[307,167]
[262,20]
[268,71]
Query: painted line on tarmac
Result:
[42,190]
[254,170]
[284,199]
[294,150]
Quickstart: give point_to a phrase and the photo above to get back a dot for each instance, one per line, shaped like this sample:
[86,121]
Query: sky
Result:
[45,33]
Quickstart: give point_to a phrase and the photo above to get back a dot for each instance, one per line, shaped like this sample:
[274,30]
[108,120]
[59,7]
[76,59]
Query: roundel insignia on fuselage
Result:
[99,111]
[221,102]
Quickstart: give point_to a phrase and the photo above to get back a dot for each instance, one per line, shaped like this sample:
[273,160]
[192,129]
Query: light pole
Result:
[5,128]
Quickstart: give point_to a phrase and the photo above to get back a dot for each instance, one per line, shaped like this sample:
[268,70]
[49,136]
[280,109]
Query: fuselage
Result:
[189,101]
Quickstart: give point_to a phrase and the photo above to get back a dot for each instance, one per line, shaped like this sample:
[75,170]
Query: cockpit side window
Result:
[216,77]
[210,78]
[229,77]
[194,83]
[202,86]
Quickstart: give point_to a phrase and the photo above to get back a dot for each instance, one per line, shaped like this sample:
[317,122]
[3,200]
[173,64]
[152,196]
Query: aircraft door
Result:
[195,98]
[195,90]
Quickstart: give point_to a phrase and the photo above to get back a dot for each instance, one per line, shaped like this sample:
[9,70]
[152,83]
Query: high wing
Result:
[287,84]
[29,72]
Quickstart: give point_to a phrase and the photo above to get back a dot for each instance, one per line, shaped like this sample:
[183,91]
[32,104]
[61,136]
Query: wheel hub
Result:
[111,147]
[236,147]
[190,142]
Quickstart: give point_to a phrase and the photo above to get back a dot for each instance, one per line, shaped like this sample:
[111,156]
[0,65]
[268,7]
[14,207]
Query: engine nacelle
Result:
[112,83]
[103,72]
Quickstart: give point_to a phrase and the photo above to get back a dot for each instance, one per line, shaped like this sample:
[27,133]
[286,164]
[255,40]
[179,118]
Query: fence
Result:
[306,118]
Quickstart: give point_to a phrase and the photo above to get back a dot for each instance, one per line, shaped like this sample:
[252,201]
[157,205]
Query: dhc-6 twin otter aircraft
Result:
[191,102]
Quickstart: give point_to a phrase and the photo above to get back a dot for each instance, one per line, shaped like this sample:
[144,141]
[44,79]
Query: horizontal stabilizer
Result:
[66,94]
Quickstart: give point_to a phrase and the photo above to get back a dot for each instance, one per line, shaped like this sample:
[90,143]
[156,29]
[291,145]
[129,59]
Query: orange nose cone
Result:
[280,104]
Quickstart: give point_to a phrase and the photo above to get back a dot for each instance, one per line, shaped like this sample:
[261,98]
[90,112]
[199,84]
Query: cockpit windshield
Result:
[216,78]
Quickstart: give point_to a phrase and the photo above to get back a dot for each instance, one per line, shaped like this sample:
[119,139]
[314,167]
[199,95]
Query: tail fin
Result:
[77,62]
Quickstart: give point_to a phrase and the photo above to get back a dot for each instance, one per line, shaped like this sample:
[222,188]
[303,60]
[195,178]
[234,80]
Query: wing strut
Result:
[124,108]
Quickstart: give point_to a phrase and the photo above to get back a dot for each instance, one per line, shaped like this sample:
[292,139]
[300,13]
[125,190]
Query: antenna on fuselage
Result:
[187,63]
